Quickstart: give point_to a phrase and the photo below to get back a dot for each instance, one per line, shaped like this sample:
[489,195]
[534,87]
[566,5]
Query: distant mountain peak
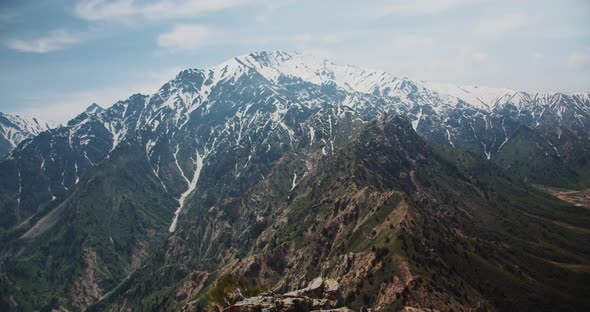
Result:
[15,128]
[94,109]
[320,70]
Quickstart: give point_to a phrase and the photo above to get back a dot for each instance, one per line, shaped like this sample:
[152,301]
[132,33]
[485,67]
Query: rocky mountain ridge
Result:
[14,129]
[223,158]
[293,83]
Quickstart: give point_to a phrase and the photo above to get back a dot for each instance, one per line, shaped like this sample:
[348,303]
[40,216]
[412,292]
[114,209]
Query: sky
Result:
[59,56]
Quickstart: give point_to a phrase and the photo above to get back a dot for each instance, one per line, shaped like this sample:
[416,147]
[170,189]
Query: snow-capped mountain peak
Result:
[261,105]
[318,70]
[196,83]
[16,128]
[93,109]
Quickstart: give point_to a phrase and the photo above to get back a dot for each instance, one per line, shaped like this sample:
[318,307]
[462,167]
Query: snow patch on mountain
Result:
[198,163]
[258,105]
[15,128]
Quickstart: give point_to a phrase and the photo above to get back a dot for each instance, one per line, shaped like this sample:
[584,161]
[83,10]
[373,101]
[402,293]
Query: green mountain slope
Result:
[85,246]
[396,221]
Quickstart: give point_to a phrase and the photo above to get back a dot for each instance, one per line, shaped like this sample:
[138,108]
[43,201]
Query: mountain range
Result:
[280,167]
[14,129]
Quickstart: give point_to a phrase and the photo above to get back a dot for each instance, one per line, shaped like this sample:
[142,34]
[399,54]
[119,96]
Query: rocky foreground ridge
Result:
[320,295]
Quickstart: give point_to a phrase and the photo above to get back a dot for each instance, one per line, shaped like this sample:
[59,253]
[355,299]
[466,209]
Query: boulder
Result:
[331,289]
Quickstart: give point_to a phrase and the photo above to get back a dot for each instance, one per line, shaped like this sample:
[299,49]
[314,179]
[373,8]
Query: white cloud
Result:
[414,42]
[61,107]
[298,40]
[425,57]
[578,60]
[98,10]
[473,56]
[187,37]
[417,50]
[270,7]
[500,26]
[420,7]
[53,41]
[538,58]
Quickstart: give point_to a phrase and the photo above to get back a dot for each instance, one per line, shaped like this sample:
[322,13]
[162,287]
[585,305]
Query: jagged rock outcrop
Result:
[320,295]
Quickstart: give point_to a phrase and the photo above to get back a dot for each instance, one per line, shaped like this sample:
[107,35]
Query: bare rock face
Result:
[320,295]
[190,288]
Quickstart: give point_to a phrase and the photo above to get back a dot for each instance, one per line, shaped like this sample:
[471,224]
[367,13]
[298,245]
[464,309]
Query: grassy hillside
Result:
[85,246]
[396,221]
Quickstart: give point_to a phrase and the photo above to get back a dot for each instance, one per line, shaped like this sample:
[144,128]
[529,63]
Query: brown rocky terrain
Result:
[320,295]
[580,198]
